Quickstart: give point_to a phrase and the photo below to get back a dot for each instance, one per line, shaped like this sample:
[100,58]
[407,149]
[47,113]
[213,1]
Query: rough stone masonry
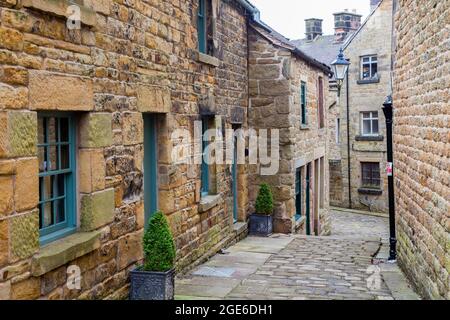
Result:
[422,143]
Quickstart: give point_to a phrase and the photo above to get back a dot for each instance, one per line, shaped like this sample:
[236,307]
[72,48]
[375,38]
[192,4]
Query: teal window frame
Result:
[303,104]
[204,166]
[150,167]
[201,26]
[56,230]
[298,194]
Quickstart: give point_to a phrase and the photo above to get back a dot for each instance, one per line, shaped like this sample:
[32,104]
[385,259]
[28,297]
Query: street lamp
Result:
[340,69]
[388,111]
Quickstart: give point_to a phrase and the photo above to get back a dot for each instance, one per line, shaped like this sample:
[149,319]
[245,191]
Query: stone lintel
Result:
[63,251]
[153,99]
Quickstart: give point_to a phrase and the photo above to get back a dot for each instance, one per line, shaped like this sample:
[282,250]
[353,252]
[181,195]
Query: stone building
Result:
[288,92]
[89,98]
[369,52]
[422,143]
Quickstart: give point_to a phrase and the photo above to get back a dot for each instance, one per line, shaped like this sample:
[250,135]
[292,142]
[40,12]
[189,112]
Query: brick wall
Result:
[421,143]
[128,58]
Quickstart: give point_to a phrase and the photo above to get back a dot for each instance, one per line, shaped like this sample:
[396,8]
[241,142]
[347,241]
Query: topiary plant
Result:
[159,249]
[264,201]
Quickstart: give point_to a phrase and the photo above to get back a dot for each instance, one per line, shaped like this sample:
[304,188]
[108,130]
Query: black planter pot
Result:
[261,225]
[146,285]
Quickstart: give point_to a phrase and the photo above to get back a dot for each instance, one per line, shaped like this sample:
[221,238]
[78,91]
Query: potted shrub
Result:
[154,280]
[261,222]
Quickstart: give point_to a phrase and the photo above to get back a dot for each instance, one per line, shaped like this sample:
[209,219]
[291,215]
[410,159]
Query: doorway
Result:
[150,166]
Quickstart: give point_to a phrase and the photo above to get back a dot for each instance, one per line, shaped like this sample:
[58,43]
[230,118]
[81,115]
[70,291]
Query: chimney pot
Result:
[313,28]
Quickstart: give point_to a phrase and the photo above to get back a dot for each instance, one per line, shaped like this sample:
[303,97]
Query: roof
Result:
[323,48]
[279,40]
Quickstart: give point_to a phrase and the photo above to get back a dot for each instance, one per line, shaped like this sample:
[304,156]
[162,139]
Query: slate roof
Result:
[323,48]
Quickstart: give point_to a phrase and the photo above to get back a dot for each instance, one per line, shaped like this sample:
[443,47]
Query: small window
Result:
[321,103]
[338,131]
[205,167]
[303,105]
[298,194]
[204,27]
[369,123]
[56,155]
[371,175]
[369,68]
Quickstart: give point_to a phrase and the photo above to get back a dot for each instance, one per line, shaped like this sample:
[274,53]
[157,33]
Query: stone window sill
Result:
[239,227]
[60,252]
[369,138]
[300,222]
[305,127]
[59,8]
[368,81]
[208,202]
[207,59]
[370,191]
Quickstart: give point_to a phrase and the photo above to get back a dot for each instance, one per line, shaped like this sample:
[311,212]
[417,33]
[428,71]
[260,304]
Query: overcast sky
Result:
[288,16]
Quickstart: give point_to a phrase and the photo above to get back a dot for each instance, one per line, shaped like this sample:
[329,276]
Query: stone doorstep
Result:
[63,251]
[397,283]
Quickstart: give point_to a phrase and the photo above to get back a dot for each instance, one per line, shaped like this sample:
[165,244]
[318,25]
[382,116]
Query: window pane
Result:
[64,129]
[53,163]
[65,162]
[58,185]
[41,158]
[374,69]
[366,127]
[52,130]
[47,214]
[374,126]
[46,188]
[41,130]
[366,59]
[60,211]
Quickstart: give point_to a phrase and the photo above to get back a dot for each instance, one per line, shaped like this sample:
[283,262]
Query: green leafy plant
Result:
[159,248]
[264,201]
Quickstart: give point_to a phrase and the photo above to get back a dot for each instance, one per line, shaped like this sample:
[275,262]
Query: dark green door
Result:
[298,194]
[234,173]
[307,196]
[150,167]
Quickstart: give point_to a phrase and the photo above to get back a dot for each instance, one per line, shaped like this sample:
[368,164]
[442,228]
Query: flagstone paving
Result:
[301,268]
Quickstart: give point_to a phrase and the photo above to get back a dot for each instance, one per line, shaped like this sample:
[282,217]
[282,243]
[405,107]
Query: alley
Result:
[299,267]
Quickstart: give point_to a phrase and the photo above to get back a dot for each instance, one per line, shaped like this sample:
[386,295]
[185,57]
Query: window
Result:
[303,103]
[369,67]
[204,27]
[371,174]
[338,131]
[205,167]
[56,154]
[369,123]
[321,97]
[298,194]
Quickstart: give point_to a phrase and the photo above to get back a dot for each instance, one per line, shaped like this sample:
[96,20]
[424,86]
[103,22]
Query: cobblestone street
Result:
[300,267]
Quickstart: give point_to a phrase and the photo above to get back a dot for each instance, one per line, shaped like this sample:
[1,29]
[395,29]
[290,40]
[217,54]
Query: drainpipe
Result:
[348,143]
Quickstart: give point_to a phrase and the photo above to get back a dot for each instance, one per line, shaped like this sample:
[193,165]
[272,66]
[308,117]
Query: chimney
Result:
[374,4]
[313,28]
[345,22]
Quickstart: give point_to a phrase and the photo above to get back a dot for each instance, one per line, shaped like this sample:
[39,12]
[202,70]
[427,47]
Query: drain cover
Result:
[214,272]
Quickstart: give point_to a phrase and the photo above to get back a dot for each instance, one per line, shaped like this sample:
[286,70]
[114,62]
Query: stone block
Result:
[274,87]
[4,247]
[5,290]
[19,139]
[100,6]
[28,289]
[92,168]
[54,91]
[96,130]
[24,235]
[6,195]
[13,97]
[26,194]
[11,39]
[97,209]
[265,71]
[14,75]
[133,128]
[129,250]
[153,99]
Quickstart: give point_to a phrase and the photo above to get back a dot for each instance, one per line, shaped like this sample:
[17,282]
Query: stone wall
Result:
[421,144]
[276,74]
[127,59]
[372,39]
